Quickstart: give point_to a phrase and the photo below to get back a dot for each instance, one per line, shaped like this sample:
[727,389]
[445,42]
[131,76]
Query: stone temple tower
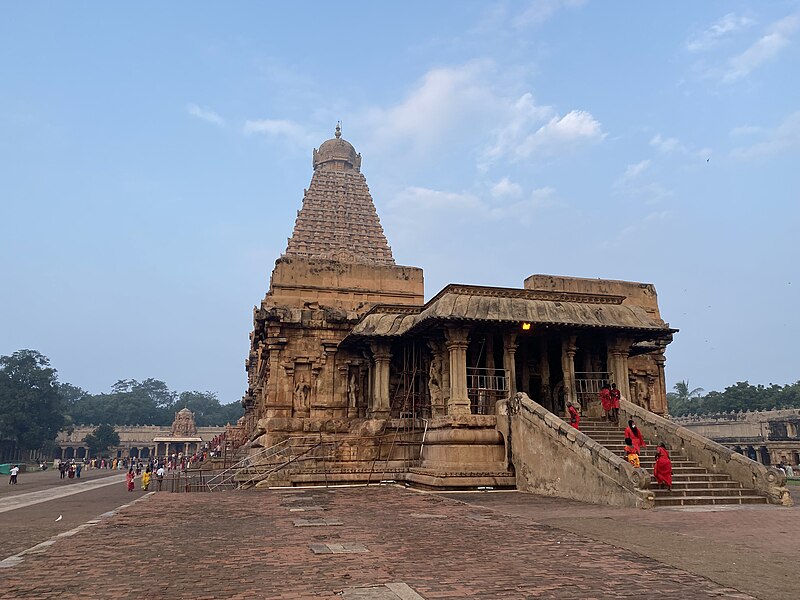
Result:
[337,266]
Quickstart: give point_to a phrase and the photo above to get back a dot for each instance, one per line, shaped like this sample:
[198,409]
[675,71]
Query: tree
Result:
[101,439]
[31,408]
[684,394]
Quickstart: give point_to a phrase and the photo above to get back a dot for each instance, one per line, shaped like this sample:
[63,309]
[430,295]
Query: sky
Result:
[153,158]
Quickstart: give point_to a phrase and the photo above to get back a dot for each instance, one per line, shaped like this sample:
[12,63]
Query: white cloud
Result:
[205,114]
[452,107]
[443,102]
[539,11]
[640,230]
[726,26]
[281,128]
[785,136]
[634,170]
[436,205]
[505,188]
[768,46]
[520,136]
[746,130]
[665,145]
[674,145]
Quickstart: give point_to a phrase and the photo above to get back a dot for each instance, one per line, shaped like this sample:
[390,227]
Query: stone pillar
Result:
[277,398]
[660,404]
[509,363]
[544,370]
[618,349]
[568,350]
[457,342]
[380,380]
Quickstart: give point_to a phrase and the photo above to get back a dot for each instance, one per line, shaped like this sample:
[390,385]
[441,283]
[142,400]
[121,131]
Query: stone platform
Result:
[388,543]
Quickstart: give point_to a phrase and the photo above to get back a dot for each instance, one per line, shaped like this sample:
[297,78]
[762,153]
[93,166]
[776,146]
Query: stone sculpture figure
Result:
[435,375]
[301,392]
[352,390]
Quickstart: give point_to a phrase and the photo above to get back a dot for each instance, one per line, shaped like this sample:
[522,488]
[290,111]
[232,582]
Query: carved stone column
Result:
[381,357]
[509,363]
[457,342]
[618,349]
[568,351]
[660,404]
[544,370]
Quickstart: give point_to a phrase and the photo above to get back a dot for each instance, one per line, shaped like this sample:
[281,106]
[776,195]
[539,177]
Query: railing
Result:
[257,467]
[485,387]
[588,385]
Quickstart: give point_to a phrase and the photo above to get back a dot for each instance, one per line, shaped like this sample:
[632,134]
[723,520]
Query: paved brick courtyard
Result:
[322,543]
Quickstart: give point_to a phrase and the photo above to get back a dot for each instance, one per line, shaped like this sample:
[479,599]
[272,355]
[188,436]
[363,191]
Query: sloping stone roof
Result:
[338,220]
[478,303]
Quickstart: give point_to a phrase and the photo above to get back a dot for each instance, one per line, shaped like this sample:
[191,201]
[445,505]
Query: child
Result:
[632,453]
[662,470]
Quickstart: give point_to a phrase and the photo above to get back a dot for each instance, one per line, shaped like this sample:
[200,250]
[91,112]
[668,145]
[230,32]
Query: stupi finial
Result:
[338,133]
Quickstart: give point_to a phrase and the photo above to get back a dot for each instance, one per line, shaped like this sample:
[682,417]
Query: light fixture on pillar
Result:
[526,327]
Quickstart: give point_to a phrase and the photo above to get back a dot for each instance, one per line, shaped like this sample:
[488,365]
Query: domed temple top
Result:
[336,154]
[338,220]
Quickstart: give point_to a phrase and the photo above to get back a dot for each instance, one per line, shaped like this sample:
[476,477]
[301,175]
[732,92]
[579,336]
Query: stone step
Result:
[707,491]
[694,485]
[709,500]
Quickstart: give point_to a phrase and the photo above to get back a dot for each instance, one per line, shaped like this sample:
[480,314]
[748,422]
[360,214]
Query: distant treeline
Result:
[739,397]
[34,405]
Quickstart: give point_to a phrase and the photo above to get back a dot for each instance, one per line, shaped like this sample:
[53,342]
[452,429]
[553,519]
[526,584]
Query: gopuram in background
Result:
[345,350]
[183,439]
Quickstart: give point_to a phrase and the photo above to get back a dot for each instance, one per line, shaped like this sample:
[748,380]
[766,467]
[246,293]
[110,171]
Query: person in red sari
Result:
[662,471]
[605,400]
[129,479]
[633,432]
[574,416]
[615,397]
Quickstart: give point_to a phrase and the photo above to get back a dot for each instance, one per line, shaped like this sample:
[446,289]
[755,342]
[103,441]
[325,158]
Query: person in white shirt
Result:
[160,477]
[14,471]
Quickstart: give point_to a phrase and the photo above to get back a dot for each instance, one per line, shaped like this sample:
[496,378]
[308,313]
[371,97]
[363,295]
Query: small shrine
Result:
[183,439]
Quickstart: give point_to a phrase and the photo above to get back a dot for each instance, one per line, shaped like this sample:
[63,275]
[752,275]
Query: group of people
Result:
[634,442]
[151,469]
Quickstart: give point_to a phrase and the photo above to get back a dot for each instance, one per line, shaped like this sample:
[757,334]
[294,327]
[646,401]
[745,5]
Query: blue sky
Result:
[152,159]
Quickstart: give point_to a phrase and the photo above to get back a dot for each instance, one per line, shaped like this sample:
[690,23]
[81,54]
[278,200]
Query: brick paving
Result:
[245,545]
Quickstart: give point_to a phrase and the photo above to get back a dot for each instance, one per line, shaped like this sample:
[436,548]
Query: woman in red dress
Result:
[615,397]
[605,400]
[633,432]
[662,471]
[574,416]
[129,479]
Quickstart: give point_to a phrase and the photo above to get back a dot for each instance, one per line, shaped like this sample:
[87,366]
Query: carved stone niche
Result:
[301,390]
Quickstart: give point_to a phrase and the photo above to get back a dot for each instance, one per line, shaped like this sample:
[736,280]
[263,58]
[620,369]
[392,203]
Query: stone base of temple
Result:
[452,452]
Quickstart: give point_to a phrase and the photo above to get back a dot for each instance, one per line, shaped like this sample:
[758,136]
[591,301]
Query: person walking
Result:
[129,478]
[662,470]
[605,401]
[78,469]
[146,479]
[13,479]
[160,477]
[633,432]
[615,398]
[574,416]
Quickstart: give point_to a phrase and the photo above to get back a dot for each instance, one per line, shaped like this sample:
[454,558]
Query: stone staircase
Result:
[692,484]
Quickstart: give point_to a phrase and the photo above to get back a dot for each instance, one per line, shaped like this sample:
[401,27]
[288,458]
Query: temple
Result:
[353,377]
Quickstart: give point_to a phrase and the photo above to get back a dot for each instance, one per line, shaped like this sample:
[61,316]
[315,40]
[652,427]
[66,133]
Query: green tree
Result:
[31,411]
[684,393]
[101,439]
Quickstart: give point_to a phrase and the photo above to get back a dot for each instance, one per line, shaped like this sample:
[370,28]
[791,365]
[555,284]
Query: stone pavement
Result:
[391,543]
